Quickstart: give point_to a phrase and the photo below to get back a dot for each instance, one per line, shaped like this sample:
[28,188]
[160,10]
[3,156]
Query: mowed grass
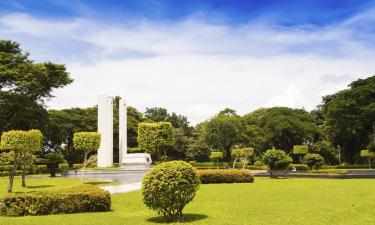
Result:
[44,183]
[264,202]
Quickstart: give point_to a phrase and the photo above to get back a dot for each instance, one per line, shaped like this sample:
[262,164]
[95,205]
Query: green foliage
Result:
[77,166]
[314,161]
[300,149]
[135,150]
[225,176]
[371,147]
[298,167]
[367,154]
[85,198]
[21,141]
[92,161]
[169,187]
[276,160]
[86,141]
[53,159]
[63,167]
[155,137]
[216,156]
[24,85]
[258,163]
[223,131]
[349,115]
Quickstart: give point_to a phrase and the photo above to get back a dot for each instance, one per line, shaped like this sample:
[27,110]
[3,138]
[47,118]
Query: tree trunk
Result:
[369,162]
[234,163]
[23,175]
[83,170]
[12,172]
[244,163]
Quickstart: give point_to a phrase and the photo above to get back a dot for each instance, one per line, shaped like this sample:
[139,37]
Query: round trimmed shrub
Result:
[169,187]
[314,161]
[277,160]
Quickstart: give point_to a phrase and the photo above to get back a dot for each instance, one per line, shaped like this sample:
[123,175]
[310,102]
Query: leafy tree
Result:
[368,155]
[216,156]
[60,129]
[327,150]
[285,127]
[241,154]
[276,160]
[314,161]
[24,86]
[350,115]
[154,138]
[52,159]
[300,150]
[223,131]
[20,142]
[198,149]
[86,142]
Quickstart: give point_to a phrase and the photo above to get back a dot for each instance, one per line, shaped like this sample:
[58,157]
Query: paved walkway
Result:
[123,188]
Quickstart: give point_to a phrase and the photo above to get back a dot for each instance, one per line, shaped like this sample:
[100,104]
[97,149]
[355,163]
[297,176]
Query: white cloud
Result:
[195,67]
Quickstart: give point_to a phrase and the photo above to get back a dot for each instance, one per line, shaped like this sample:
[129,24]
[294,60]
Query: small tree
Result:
[169,187]
[87,142]
[242,154]
[277,160]
[300,150]
[53,159]
[368,155]
[20,142]
[154,138]
[314,161]
[246,153]
[216,156]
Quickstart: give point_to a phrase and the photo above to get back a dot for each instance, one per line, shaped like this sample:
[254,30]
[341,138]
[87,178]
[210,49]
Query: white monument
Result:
[105,128]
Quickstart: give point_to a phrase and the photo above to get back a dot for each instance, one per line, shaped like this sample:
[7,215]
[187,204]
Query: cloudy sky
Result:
[197,57]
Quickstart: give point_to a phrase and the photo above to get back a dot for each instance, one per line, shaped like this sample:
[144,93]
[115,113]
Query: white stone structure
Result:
[123,131]
[105,128]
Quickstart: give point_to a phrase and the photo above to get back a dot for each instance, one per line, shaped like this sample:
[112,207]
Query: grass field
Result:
[266,201]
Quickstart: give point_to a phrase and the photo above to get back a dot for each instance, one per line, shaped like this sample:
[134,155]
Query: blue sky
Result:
[197,57]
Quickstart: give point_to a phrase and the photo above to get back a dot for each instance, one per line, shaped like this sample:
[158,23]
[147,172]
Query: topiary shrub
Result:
[84,198]
[225,176]
[169,187]
[371,147]
[216,157]
[277,160]
[314,161]
[258,163]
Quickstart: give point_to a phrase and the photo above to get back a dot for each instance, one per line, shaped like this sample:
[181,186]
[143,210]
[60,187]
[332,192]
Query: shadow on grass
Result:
[187,218]
[97,182]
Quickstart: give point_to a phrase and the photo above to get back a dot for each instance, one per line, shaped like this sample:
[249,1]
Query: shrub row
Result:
[225,176]
[84,198]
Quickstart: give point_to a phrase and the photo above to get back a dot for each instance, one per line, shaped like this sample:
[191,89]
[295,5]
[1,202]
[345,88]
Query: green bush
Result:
[77,166]
[258,163]
[216,156]
[225,176]
[276,160]
[116,165]
[168,187]
[257,167]
[84,198]
[349,166]
[41,169]
[314,161]
[63,167]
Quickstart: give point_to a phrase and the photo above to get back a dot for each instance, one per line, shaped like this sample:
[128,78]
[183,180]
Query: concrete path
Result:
[123,188]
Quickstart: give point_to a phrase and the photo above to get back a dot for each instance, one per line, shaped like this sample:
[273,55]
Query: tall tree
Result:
[24,87]
[223,131]
[350,115]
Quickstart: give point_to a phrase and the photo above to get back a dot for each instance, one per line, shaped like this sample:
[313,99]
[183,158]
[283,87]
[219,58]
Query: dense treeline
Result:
[337,129]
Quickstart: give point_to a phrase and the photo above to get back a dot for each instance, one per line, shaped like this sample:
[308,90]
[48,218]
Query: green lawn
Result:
[45,183]
[269,202]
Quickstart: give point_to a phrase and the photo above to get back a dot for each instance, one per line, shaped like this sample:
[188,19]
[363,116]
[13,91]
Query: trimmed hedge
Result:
[84,198]
[225,176]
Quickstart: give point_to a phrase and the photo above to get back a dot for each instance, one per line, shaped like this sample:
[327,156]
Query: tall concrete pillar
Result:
[105,128]
[123,131]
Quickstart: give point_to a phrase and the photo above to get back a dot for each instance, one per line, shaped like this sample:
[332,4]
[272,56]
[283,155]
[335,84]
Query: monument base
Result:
[136,159]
